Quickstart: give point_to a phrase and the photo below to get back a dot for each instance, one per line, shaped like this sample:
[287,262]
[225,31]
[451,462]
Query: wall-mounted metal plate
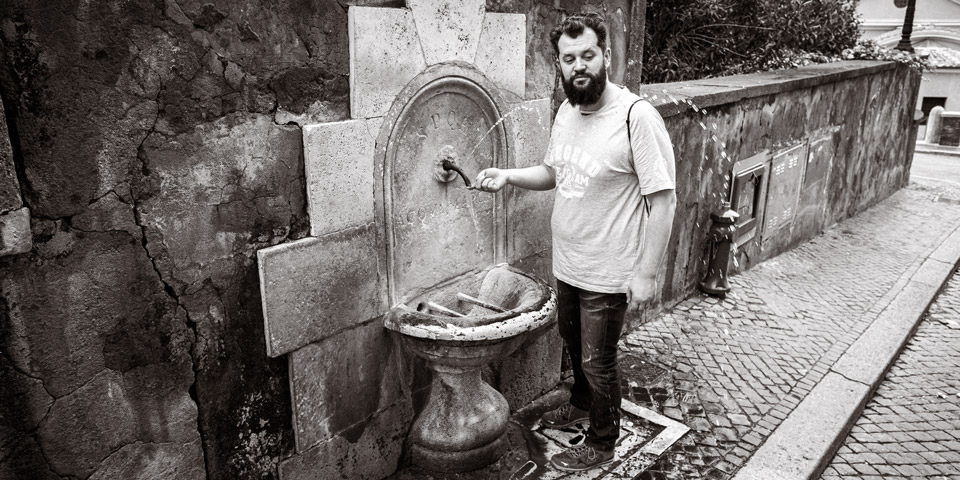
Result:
[747,194]
[786,176]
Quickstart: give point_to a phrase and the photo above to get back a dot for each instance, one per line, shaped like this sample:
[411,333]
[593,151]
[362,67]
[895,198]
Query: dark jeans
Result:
[590,324]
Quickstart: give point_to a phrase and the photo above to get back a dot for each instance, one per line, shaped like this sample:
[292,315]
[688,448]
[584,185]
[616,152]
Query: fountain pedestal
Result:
[463,424]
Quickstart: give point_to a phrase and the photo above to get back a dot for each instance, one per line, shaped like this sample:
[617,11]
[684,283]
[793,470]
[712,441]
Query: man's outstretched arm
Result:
[643,286]
[538,177]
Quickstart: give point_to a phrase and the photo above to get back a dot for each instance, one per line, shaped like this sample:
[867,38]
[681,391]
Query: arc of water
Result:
[498,122]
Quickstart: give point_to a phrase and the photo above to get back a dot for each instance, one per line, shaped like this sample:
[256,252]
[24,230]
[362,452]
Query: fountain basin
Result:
[463,424]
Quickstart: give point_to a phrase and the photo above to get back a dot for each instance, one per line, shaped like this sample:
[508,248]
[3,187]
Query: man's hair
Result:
[574,25]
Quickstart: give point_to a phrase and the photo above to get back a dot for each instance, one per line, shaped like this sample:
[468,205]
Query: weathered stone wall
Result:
[848,126]
[158,146]
[157,155]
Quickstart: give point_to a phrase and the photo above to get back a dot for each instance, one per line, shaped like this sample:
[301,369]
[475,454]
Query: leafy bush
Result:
[690,39]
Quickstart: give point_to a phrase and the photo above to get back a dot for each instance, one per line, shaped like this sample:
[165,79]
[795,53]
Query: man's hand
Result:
[491,180]
[640,291]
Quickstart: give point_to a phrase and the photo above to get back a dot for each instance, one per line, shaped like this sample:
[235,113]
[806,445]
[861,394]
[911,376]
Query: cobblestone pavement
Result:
[911,427]
[733,369]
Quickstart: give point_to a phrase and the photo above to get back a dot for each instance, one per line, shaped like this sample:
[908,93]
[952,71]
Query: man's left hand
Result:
[640,291]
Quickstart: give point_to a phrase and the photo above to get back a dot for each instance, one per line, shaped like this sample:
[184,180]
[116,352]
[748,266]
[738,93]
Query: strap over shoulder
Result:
[630,112]
[646,204]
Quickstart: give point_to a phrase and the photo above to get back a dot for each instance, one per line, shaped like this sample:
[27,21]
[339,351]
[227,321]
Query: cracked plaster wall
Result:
[158,146]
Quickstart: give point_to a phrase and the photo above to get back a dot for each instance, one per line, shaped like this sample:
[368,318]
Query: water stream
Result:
[724,162]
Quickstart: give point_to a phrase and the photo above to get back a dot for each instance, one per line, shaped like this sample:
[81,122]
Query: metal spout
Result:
[448,165]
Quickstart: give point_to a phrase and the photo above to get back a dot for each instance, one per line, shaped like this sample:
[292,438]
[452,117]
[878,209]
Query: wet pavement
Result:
[733,369]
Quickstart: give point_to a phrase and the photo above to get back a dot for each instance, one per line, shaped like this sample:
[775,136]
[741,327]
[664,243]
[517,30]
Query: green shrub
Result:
[691,39]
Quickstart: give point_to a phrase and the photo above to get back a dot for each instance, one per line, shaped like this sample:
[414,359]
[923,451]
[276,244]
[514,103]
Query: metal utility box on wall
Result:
[786,178]
[747,194]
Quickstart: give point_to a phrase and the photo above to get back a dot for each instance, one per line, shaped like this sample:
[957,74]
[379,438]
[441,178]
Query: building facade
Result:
[936,31]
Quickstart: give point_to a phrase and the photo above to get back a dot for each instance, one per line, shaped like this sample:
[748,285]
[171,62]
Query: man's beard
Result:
[588,94]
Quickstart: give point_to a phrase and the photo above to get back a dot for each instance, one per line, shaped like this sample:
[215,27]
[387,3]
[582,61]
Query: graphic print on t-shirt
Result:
[574,168]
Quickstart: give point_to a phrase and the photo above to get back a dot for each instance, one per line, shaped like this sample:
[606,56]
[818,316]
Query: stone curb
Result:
[924,147]
[802,446]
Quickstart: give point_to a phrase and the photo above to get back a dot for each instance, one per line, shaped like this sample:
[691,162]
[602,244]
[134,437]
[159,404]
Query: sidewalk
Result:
[911,426]
[771,379]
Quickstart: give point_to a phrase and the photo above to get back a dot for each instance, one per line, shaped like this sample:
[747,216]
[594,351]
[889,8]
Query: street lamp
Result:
[907,26]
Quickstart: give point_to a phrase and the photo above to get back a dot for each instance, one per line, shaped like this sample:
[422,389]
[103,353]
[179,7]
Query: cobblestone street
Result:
[734,369]
[911,427]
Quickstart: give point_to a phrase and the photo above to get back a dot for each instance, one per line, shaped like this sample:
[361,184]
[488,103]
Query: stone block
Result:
[108,213]
[343,381]
[216,194]
[9,184]
[538,265]
[162,391]
[949,250]
[385,54]
[501,55]
[531,131]
[94,303]
[933,272]
[374,125]
[15,232]
[86,426]
[867,359]
[449,30]
[23,458]
[370,452]
[533,370]
[528,212]
[150,461]
[29,407]
[338,163]
[316,287]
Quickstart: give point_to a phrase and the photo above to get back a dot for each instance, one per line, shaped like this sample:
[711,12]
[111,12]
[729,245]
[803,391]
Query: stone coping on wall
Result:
[675,98]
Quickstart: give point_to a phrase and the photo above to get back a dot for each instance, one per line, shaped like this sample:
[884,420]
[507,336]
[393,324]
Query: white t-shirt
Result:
[598,208]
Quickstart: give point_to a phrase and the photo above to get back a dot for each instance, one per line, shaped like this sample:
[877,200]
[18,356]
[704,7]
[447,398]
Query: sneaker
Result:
[564,416]
[581,457]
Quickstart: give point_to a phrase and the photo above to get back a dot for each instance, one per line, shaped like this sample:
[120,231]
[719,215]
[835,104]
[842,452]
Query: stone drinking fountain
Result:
[398,241]
[452,307]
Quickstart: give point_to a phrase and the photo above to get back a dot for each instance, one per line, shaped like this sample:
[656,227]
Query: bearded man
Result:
[611,161]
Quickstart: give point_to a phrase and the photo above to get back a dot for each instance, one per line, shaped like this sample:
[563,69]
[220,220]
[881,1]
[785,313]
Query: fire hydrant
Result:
[721,237]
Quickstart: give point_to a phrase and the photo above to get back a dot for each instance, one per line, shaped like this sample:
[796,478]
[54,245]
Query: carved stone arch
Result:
[920,33]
